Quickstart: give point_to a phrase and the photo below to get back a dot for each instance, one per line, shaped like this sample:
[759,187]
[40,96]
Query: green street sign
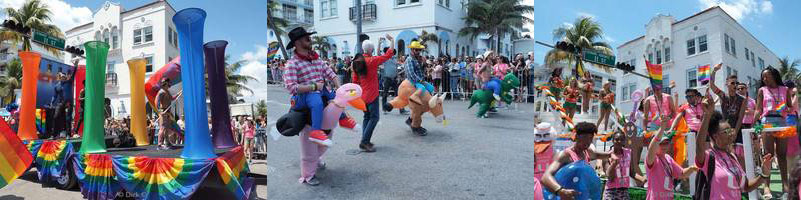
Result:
[49,40]
[598,58]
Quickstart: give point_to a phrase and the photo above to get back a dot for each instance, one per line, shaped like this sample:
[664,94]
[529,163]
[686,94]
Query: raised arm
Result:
[701,146]
[654,145]
[712,85]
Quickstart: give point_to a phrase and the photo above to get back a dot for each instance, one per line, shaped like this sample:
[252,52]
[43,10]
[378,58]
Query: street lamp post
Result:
[358,27]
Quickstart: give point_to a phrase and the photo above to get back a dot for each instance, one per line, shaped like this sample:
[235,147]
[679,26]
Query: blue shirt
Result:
[391,68]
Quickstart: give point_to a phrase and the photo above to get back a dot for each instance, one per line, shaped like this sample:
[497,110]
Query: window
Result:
[332,10]
[598,82]
[308,16]
[691,47]
[728,71]
[115,39]
[753,60]
[290,12]
[726,42]
[110,68]
[308,2]
[733,47]
[448,3]
[632,88]
[761,64]
[658,56]
[323,8]
[666,83]
[650,57]
[143,35]
[106,37]
[149,65]
[692,78]
[746,54]
[414,1]
[702,44]
[175,38]
[625,93]
[169,35]
[734,72]
[614,85]
[667,52]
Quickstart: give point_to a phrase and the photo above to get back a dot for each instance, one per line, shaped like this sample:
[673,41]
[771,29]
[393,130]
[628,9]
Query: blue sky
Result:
[774,23]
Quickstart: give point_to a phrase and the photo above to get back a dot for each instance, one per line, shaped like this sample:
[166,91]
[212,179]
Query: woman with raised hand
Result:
[660,168]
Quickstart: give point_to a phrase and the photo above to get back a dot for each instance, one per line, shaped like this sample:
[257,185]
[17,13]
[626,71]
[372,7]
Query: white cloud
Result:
[740,9]
[256,67]
[259,55]
[64,15]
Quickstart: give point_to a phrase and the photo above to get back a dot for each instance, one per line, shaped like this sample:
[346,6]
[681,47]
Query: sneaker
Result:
[348,122]
[312,181]
[419,131]
[409,121]
[366,148]
[387,107]
[319,137]
[320,166]
[497,97]
[404,112]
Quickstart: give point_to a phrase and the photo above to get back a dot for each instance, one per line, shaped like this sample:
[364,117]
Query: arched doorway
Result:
[401,47]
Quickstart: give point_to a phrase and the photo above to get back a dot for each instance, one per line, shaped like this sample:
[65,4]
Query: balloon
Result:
[189,23]
[30,72]
[578,176]
[636,95]
[171,70]
[347,94]
[93,140]
[218,94]
[138,123]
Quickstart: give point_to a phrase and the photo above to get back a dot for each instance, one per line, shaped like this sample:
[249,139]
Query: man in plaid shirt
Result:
[305,76]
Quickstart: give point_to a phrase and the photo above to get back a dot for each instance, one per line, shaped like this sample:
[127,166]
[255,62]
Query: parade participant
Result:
[660,167]
[415,73]
[366,76]
[571,98]
[305,76]
[793,147]
[164,101]
[727,179]
[730,102]
[389,77]
[556,83]
[772,107]
[691,111]
[580,151]
[607,100]
[619,170]
[586,92]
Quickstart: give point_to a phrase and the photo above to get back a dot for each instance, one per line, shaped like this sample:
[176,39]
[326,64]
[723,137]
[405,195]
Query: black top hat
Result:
[296,34]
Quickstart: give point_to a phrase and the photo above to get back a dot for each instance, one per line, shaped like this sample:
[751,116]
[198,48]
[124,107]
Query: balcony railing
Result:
[369,12]
[111,79]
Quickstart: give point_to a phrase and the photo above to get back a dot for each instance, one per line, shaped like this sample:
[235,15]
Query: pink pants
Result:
[310,155]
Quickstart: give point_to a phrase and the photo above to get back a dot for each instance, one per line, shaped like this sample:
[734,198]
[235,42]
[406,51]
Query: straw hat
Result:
[416,45]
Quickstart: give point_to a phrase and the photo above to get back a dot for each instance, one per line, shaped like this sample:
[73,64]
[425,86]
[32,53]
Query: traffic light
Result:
[74,50]
[18,27]
[564,46]
[625,67]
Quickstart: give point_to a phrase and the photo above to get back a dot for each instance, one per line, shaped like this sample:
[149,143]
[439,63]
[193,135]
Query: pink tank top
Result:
[543,160]
[622,171]
[665,107]
[772,98]
[575,157]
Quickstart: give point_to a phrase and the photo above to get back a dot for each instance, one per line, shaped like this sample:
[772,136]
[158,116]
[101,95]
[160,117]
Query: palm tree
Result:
[789,69]
[235,82]
[321,44]
[426,37]
[585,33]
[10,82]
[495,17]
[280,23]
[261,108]
[33,14]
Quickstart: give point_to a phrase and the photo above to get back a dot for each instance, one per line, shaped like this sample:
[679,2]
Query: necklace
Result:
[735,173]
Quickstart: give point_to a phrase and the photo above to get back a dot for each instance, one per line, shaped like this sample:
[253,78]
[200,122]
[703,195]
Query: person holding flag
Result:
[656,106]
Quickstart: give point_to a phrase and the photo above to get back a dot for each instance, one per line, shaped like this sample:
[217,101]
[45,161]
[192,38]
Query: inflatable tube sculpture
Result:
[93,140]
[218,94]
[138,118]
[27,108]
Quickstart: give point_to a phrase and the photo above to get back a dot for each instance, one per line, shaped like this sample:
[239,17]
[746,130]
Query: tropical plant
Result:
[261,108]
[11,81]
[495,18]
[426,37]
[585,33]
[33,14]
[321,44]
[280,23]
[789,69]
[235,82]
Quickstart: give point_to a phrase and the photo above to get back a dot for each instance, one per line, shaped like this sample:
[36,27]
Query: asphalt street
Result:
[470,158]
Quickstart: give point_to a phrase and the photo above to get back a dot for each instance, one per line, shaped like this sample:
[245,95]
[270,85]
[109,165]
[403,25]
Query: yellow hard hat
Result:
[416,45]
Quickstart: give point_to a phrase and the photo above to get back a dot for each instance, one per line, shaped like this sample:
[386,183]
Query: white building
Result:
[298,13]
[705,38]
[404,20]
[143,32]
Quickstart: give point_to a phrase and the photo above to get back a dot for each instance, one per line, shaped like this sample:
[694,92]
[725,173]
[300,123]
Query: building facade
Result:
[143,32]
[404,20]
[299,13]
[706,38]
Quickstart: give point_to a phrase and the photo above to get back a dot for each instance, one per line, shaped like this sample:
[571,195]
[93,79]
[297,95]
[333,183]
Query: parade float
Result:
[209,159]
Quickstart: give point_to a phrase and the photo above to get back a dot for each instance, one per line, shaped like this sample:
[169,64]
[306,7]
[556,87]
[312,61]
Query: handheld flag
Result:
[14,156]
[704,74]
[655,74]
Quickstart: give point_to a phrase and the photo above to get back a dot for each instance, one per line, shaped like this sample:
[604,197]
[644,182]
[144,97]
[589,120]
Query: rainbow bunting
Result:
[33,146]
[50,160]
[160,178]
[232,166]
[14,155]
[96,175]
[704,74]
[655,74]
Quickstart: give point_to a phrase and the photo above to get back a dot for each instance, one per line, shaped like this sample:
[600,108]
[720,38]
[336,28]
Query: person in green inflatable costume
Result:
[485,99]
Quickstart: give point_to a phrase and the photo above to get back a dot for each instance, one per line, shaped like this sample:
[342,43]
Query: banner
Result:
[233,169]
[51,74]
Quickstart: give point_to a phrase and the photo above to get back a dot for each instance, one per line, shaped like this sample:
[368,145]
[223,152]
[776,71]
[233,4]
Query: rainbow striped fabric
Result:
[14,155]
[51,159]
[781,107]
[160,178]
[96,175]
[232,166]
[40,120]
[33,146]
[655,74]
[272,51]
[704,74]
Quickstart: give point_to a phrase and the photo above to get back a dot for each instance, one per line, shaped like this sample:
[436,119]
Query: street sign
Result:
[48,40]
[598,58]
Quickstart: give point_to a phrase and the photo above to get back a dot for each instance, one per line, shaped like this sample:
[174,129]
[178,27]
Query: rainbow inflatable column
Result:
[27,108]
[189,23]
[220,111]
[93,140]
[138,123]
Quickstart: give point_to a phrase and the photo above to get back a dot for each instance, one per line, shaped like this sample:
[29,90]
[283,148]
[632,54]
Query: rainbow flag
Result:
[160,178]
[781,107]
[14,155]
[704,74]
[95,173]
[272,50]
[51,159]
[655,74]
[232,166]
[40,120]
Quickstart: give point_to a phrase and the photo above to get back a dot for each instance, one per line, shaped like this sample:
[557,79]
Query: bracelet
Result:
[560,189]
[764,176]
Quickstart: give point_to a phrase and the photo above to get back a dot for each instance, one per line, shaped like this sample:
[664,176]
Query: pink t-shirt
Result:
[793,147]
[663,111]
[660,183]
[543,160]
[729,177]
[500,70]
[693,115]
[749,119]
[622,172]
